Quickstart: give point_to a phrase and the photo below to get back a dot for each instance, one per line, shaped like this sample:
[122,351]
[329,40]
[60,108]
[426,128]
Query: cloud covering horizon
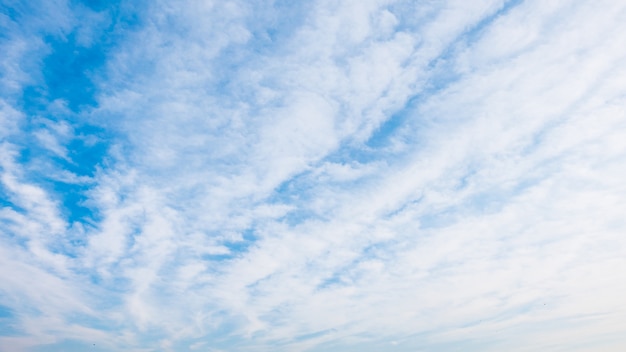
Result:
[269,175]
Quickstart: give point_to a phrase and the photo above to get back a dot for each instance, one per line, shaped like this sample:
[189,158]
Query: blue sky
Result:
[340,176]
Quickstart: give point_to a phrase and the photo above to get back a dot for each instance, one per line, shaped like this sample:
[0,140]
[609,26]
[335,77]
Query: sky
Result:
[337,176]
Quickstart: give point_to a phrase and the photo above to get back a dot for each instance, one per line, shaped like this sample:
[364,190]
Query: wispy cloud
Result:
[324,176]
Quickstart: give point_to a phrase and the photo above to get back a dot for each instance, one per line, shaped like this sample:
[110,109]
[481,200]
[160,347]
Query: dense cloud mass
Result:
[271,175]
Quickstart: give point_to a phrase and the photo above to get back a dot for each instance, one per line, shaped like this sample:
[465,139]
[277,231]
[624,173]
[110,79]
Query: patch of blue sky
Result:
[341,279]
[240,247]
[74,240]
[98,5]
[298,216]
[369,343]
[381,144]
[423,344]
[5,312]
[442,70]
[293,189]
[75,201]
[474,33]
[378,250]
[273,26]
[465,180]
[8,321]
[230,250]
[412,15]
[93,321]
[10,238]
[88,150]
[68,74]
[479,203]
[482,203]
[346,275]
[72,346]
[69,71]
[75,59]
[299,190]
[75,63]
[223,338]
[438,219]
[493,199]
[314,335]
[426,340]
[71,49]
[220,257]
[349,152]
[71,194]
[20,11]
[8,328]
[442,74]
[406,125]
[334,280]
[5,199]
[114,285]
[10,12]
[124,17]
[387,130]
